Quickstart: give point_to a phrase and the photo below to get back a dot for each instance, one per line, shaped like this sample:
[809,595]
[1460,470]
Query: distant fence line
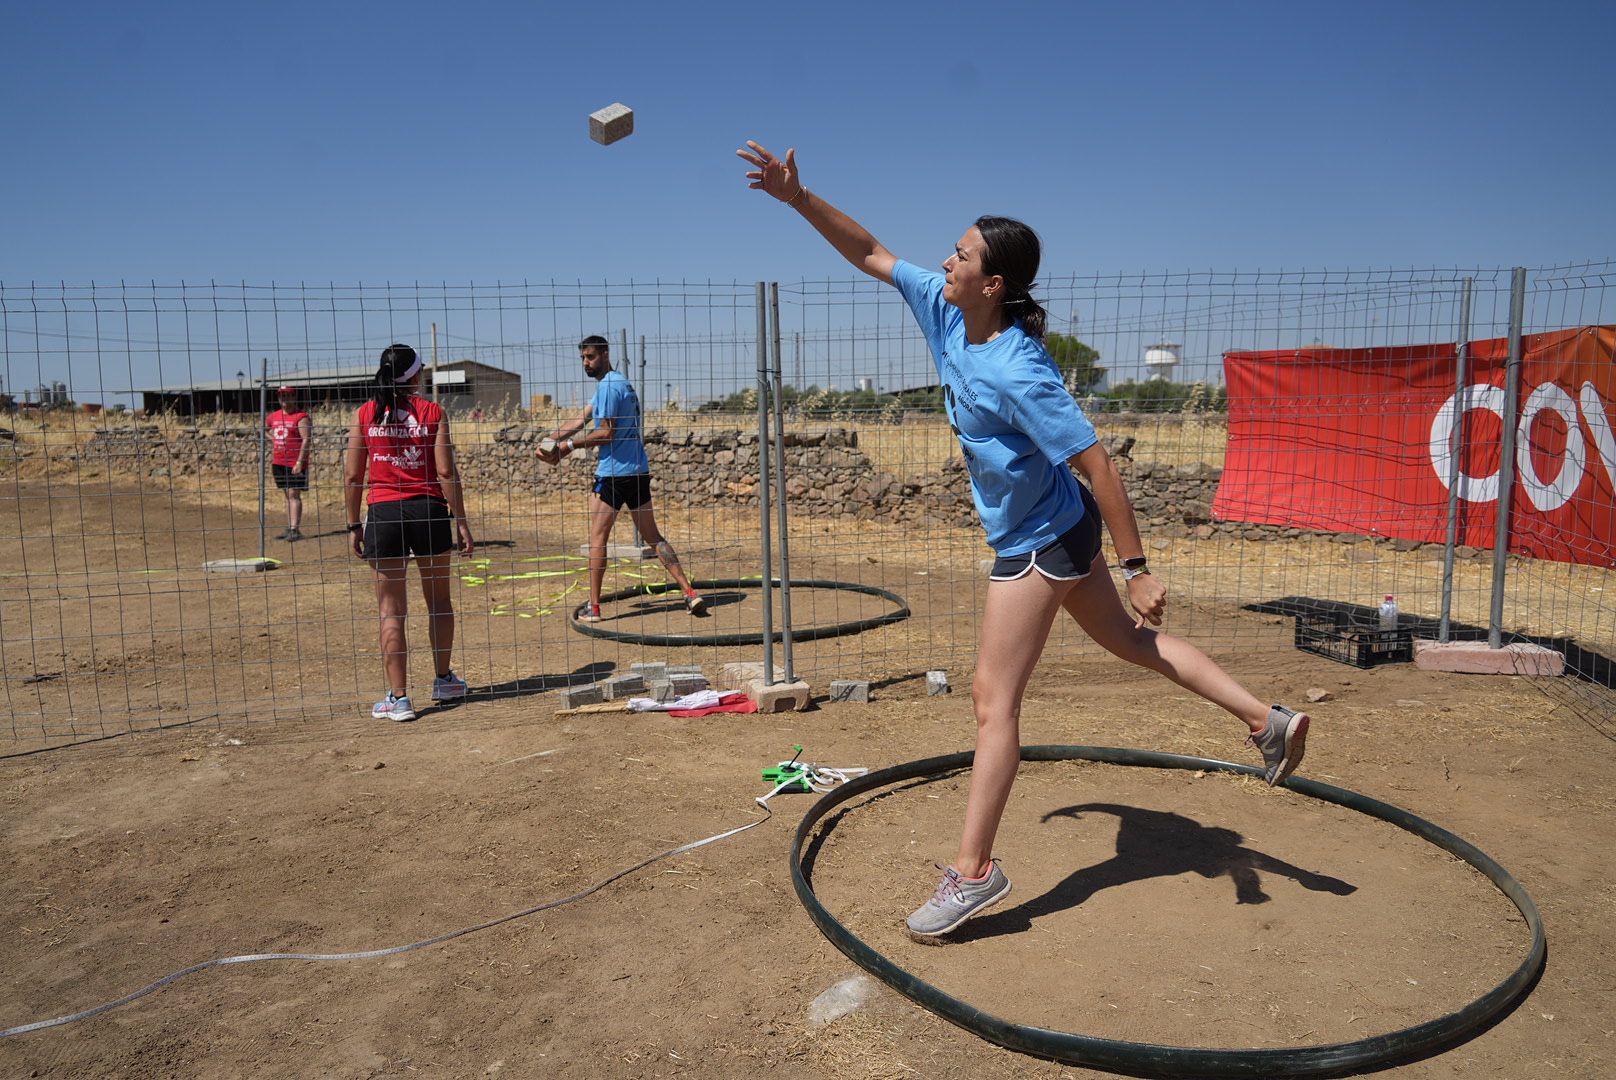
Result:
[684,344]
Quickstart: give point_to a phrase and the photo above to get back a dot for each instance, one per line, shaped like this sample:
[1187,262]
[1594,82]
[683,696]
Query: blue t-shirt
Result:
[1015,420]
[616,401]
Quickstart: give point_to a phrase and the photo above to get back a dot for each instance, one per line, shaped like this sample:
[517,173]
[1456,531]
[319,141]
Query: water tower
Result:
[1160,360]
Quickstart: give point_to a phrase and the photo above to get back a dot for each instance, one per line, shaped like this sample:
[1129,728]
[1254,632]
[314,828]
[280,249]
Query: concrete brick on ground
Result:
[687,684]
[851,690]
[653,672]
[741,672]
[1475,658]
[936,683]
[624,686]
[575,696]
[779,697]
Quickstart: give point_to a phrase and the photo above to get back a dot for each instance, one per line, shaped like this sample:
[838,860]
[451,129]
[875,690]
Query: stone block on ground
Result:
[736,675]
[653,671]
[779,696]
[575,696]
[622,551]
[624,686]
[936,683]
[1476,658]
[687,684]
[237,566]
[852,690]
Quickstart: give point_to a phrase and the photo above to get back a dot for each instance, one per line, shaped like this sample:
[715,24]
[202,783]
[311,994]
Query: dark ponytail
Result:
[1013,252]
[396,360]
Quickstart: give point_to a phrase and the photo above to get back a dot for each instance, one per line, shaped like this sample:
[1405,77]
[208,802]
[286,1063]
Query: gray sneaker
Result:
[956,900]
[1282,741]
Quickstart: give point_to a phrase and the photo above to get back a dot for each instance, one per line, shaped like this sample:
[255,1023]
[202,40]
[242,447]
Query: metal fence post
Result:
[780,485]
[1506,457]
[1456,447]
[623,361]
[263,424]
[767,584]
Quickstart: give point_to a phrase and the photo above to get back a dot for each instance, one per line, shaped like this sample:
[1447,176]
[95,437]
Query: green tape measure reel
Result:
[788,775]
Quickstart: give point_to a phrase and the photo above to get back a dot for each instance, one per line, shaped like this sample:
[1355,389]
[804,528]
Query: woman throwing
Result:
[1019,430]
[402,440]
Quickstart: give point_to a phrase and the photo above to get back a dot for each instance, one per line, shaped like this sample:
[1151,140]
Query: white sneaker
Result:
[448,687]
[393,708]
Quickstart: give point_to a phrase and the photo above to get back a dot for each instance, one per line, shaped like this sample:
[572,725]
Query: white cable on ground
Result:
[825,776]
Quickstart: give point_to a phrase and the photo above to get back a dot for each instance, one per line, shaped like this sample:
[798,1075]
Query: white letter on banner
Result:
[1479,396]
[1551,495]
[1598,421]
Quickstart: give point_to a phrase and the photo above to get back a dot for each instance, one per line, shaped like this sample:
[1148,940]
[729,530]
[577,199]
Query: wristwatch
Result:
[1132,568]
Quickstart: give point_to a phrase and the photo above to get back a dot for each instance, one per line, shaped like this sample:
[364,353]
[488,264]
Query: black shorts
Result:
[287,480]
[620,491]
[1068,557]
[403,527]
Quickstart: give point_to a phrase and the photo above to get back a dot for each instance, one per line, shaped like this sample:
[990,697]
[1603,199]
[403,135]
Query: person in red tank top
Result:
[399,450]
[291,436]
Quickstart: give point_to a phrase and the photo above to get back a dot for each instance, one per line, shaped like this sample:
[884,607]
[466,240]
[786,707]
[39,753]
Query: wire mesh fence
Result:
[138,452]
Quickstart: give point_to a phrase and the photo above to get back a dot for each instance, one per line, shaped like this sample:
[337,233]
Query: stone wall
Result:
[827,475]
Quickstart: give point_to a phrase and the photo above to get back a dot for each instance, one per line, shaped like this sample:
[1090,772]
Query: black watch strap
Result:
[1134,563]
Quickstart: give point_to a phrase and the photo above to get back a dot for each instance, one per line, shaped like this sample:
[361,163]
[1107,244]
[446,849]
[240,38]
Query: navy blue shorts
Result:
[1068,557]
[620,491]
[404,527]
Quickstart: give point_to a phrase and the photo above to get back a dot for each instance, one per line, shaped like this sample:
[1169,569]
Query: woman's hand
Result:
[464,532]
[1148,598]
[356,540]
[778,178]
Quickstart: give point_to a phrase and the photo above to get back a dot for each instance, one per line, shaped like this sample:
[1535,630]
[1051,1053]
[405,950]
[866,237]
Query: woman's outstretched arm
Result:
[781,179]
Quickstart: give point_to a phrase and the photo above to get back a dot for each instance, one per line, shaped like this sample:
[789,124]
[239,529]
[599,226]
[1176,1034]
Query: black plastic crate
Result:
[1340,638]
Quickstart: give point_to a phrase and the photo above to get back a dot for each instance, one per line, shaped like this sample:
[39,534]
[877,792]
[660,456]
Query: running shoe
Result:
[1283,741]
[393,708]
[957,899]
[589,613]
[448,687]
[695,604]
[293,535]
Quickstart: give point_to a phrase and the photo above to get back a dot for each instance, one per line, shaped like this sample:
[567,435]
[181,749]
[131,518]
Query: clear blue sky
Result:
[407,141]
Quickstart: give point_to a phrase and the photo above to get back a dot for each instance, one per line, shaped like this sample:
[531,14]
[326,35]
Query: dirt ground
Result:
[1149,905]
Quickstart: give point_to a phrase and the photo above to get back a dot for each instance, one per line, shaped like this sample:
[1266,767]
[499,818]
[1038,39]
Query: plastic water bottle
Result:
[1388,613]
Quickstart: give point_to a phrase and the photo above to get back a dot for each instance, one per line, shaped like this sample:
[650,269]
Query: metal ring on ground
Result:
[1150,1059]
[811,633]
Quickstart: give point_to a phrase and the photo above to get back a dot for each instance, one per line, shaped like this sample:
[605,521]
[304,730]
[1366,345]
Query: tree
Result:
[1077,362]
[1151,396]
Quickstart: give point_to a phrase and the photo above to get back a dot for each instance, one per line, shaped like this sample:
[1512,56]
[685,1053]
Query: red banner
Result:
[1358,440]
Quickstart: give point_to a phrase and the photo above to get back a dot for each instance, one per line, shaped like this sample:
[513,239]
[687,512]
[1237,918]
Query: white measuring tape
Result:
[820,779]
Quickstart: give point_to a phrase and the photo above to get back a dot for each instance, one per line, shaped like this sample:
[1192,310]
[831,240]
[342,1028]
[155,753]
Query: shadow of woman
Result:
[1154,843]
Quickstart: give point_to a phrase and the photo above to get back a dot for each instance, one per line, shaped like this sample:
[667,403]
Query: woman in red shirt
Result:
[402,440]
[292,434]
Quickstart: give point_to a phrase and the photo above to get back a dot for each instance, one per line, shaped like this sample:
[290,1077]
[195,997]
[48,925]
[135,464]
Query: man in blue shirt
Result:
[623,475]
